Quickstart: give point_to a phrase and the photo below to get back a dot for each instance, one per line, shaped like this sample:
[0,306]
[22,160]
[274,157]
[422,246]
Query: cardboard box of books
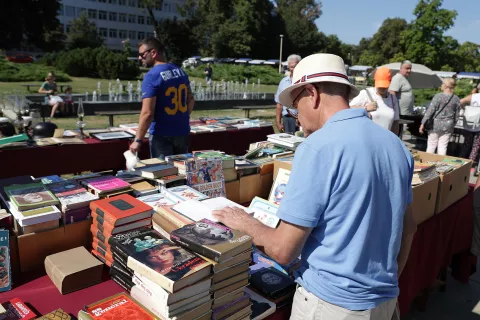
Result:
[250,187]
[33,248]
[285,163]
[454,184]
[425,200]
[232,189]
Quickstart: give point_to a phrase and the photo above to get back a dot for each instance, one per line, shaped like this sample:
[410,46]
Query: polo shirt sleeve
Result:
[150,85]
[396,84]
[281,86]
[308,189]
[360,101]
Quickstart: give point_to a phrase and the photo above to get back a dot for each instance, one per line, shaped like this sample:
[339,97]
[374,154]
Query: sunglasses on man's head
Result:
[142,55]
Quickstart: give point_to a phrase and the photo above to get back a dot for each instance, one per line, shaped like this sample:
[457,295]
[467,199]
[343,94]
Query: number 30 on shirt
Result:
[179,95]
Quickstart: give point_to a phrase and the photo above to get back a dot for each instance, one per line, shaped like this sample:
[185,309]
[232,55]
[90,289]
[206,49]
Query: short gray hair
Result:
[334,89]
[406,62]
[294,57]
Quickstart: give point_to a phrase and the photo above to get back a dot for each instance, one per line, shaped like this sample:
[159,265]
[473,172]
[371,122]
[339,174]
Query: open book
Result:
[198,210]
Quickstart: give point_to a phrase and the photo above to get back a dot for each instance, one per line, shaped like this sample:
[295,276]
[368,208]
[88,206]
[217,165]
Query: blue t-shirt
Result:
[169,84]
[351,183]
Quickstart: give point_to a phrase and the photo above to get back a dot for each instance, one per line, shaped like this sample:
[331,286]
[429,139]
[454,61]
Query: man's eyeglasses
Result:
[142,55]
[297,98]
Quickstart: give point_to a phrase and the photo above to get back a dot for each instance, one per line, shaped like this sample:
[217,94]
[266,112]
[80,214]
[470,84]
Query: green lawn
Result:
[82,85]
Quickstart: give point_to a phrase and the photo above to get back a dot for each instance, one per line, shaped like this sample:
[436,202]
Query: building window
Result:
[141,35]
[112,33]
[70,11]
[112,1]
[149,20]
[81,11]
[92,14]
[122,34]
[102,32]
[112,16]
[132,3]
[132,35]
[122,2]
[141,20]
[102,15]
[132,18]
[122,17]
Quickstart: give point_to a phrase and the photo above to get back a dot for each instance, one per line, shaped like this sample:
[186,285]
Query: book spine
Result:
[160,300]
[104,215]
[127,286]
[150,274]
[195,247]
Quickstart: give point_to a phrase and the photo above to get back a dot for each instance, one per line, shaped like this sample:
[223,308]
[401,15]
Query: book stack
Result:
[106,186]
[274,285]
[229,251]
[206,176]
[423,172]
[286,141]
[167,280]
[74,200]
[33,206]
[228,162]
[113,216]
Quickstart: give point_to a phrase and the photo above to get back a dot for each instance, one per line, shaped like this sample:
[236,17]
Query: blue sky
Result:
[351,20]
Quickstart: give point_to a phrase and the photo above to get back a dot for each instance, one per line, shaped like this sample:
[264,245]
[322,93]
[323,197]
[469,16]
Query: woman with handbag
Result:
[441,117]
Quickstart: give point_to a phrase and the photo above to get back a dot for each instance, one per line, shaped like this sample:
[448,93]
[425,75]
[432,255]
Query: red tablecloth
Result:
[105,155]
[439,241]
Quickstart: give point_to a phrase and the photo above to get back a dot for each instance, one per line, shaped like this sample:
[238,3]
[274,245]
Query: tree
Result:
[83,34]
[27,21]
[468,55]
[423,39]
[385,40]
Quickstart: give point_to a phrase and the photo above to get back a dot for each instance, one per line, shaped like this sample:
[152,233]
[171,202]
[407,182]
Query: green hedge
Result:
[20,72]
[463,89]
[96,63]
[231,72]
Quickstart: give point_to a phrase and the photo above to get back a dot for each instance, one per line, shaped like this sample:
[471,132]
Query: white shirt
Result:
[475,100]
[387,108]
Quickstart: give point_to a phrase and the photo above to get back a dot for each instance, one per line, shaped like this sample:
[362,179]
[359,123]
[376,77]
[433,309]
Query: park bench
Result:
[111,114]
[247,109]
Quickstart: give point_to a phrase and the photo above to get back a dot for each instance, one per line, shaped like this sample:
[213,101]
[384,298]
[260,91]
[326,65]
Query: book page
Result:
[198,210]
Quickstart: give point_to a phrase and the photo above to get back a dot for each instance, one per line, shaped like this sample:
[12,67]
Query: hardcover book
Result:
[119,306]
[184,193]
[35,216]
[166,264]
[30,196]
[272,282]
[10,182]
[261,307]
[285,139]
[16,309]
[71,195]
[212,240]
[108,228]
[156,171]
[121,209]
[106,184]
[5,270]
[49,179]
[58,314]
[76,215]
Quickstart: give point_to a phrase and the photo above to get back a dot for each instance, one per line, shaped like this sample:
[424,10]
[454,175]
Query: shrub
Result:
[231,72]
[17,72]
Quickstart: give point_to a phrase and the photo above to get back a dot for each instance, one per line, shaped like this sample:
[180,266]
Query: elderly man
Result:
[345,210]
[401,87]
[285,113]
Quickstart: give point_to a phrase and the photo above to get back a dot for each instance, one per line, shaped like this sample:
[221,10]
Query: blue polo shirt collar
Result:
[347,114]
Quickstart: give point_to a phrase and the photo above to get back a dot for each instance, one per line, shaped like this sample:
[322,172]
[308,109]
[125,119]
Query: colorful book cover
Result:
[131,242]
[203,171]
[5,270]
[121,209]
[157,200]
[212,240]
[76,215]
[265,211]
[105,184]
[35,216]
[184,193]
[258,257]
[280,185]
[49,179]
[30,196]
[119,306]
[71,193]
[211,189]
[16,309]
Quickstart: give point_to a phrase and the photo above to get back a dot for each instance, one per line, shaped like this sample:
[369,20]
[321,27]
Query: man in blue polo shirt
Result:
[286,117]
[167,102]
[346,208]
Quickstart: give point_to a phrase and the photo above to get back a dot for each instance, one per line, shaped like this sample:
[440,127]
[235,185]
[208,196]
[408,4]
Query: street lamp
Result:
[281,48]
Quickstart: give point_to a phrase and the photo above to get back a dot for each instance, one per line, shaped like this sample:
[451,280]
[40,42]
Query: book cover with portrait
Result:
[272,282]
[30,196]
[212,240]
[5,274]
[163,262]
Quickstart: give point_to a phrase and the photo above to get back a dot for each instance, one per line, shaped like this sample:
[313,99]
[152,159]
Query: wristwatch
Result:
[139,140]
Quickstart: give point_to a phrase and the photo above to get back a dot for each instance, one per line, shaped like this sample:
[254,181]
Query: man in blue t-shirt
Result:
[167,102]
[346,208]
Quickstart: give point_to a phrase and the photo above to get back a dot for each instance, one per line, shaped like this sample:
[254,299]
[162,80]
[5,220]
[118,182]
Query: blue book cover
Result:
[50,179]
[5,272]
[259,257]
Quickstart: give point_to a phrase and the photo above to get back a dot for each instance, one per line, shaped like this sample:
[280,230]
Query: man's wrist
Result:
[138,140]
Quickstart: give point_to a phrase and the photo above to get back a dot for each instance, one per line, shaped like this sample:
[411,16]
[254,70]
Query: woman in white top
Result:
[382,106]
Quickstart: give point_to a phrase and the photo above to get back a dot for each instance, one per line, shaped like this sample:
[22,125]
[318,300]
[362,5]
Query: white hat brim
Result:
[285,97]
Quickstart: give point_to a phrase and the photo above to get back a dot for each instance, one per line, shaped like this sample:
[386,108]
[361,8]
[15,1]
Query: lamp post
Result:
[281,48]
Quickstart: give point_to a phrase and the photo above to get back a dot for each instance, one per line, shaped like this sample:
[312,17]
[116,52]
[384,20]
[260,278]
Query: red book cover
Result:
[119,306]
[121,209]
[16,309]
[97,243]
[107,228]
[107,260]
[99,234]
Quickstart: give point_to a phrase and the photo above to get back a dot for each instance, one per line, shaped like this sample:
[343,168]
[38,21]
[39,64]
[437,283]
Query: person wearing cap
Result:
[344,210]
[381,104]
[286,117]
[400,86]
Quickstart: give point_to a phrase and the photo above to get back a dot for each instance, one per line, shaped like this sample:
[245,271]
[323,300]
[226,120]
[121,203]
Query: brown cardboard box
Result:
[425,200]
[232,189]
[250,187]
[266,181]
[281,164]
[453,185]
[73,269]
[33,248]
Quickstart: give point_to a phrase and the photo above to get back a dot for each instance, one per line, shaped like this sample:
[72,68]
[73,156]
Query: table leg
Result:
[110,120]
[247,113]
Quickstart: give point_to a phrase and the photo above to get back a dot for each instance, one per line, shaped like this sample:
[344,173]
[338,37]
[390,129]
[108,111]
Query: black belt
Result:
[288,115]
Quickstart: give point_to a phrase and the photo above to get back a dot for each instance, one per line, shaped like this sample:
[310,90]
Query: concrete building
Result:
[117,20]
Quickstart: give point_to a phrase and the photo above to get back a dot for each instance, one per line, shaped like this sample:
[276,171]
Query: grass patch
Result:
[233,72]
[15,72]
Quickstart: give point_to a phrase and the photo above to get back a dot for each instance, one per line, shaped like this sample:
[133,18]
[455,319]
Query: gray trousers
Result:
[289,124]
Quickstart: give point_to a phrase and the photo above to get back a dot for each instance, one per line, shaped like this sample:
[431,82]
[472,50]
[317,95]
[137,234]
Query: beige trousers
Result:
[439,142]
[306,306]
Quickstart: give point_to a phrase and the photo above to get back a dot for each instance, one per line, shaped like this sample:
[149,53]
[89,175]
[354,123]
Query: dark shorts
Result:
[162,146]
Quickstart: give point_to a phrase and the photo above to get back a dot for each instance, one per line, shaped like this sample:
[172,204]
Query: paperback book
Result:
[184,193]
[30,196]
[5,270]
